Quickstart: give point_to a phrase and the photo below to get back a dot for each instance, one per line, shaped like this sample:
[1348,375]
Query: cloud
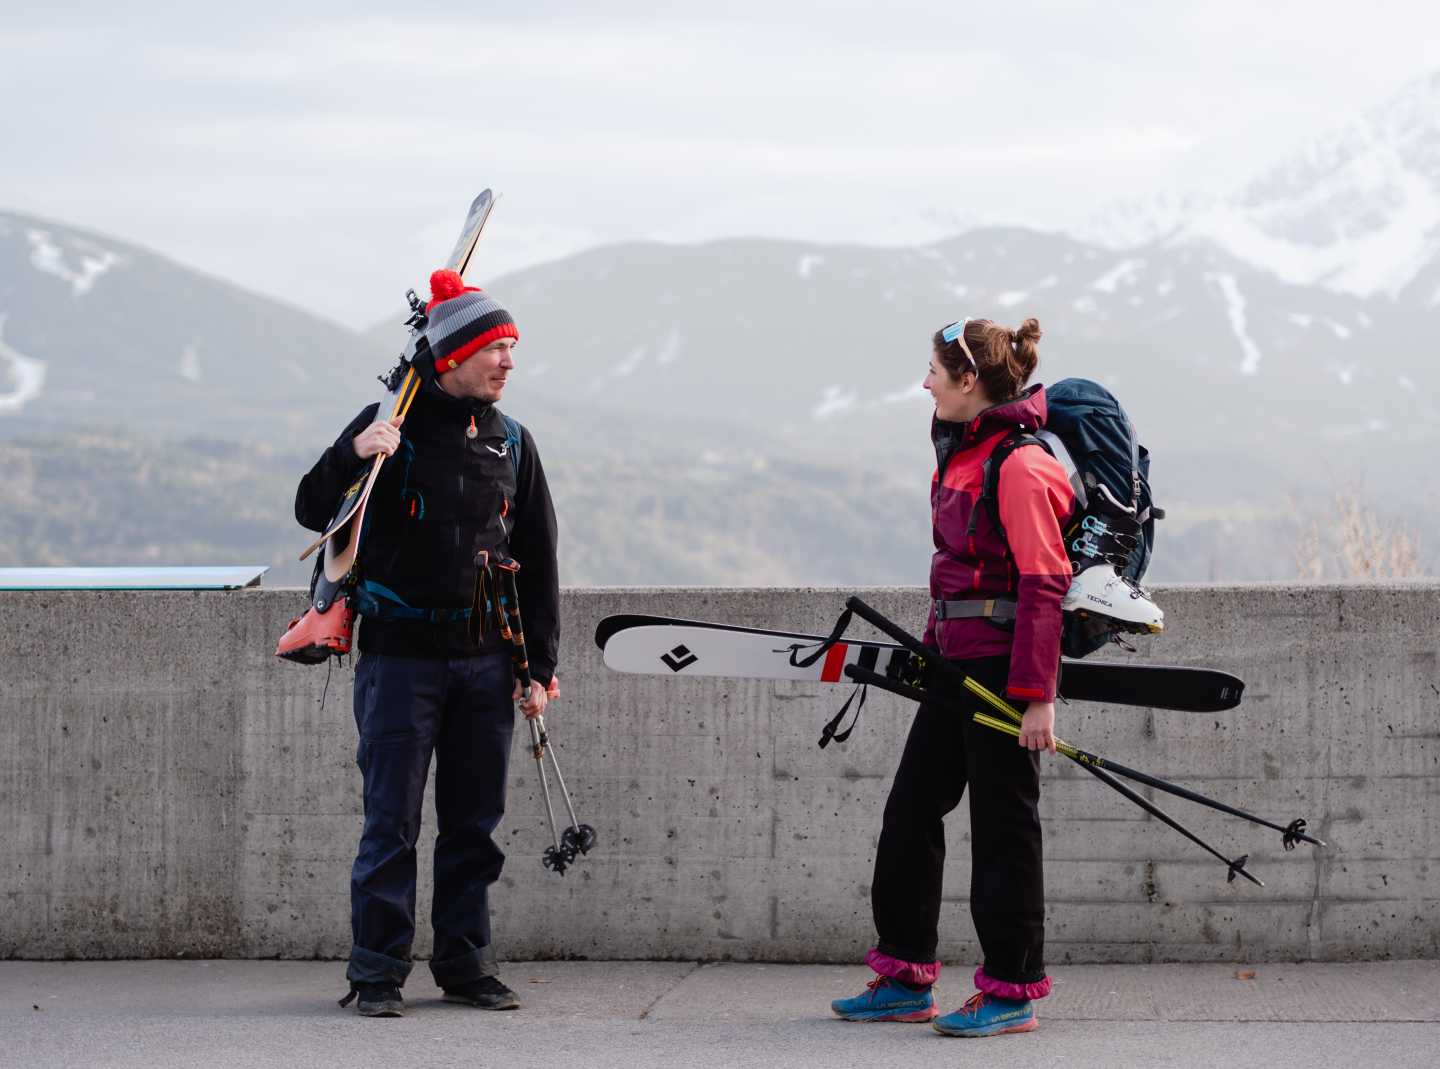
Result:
[259,142]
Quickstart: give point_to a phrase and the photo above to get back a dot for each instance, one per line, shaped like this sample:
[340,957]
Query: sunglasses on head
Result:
[955,332]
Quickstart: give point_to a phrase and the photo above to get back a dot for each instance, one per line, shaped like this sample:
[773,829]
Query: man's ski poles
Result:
[578,838]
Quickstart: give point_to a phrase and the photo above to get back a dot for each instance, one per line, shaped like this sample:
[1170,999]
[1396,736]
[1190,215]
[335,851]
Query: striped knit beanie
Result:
[463,320]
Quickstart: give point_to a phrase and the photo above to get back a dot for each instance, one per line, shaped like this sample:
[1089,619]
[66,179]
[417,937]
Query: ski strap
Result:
[796,661]
[482,601]
[830,731]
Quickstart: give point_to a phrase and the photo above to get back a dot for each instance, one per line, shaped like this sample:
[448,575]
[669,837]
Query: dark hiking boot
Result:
[486,993]
[376,1000]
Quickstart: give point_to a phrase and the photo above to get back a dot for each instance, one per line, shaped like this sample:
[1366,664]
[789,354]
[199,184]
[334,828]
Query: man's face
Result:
[483,376]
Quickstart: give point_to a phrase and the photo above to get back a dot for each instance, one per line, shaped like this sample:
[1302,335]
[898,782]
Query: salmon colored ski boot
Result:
[312,638]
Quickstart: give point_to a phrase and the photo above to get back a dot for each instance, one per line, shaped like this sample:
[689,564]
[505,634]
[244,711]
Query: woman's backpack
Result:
[1087,430]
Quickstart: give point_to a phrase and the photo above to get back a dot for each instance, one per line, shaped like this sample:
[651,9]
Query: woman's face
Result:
[954,398]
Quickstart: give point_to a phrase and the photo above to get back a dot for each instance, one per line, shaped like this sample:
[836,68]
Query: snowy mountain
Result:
[743,410]
[96,332]
[1356,211]
[824,347]
[1130,224]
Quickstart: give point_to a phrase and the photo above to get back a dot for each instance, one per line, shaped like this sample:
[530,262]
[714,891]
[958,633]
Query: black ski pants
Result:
[945,753]
[407,708]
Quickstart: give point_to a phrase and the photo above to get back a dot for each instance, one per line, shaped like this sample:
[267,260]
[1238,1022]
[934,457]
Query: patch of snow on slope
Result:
[1235,308]
[835,400]
[1133,222]
[48,257]
[1123,272]
[190,364]
[26,374]
[670,350]
[1382,259]
[808,263]
[1370,426]
[630,363]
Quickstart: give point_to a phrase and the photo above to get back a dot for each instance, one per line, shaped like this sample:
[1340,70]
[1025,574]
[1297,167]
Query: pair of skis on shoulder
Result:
[325,629]
[658,645]
[351,513]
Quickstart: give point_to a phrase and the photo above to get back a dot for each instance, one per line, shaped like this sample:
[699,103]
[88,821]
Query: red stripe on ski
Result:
[834,663]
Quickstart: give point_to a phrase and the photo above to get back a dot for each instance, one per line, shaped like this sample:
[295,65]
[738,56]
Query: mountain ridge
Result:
[1355,209]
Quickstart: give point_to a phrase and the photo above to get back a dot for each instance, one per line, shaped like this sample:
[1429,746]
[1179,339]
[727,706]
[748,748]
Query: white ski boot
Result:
[1101,591]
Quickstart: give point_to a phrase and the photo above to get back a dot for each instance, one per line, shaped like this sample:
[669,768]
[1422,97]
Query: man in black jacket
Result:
[463,480]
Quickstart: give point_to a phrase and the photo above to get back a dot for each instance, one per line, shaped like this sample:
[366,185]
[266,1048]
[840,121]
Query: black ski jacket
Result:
[436,504]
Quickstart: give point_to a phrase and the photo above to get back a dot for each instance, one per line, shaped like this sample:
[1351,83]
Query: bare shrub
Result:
[1355,542]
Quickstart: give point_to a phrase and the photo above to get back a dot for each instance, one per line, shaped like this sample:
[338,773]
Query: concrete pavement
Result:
[224,1014]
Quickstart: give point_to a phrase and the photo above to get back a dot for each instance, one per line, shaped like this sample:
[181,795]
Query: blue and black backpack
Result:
[1088,431]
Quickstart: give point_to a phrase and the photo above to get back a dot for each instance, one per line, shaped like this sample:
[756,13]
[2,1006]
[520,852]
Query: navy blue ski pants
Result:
[407,708]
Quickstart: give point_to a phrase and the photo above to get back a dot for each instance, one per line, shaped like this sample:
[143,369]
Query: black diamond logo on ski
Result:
[679,659]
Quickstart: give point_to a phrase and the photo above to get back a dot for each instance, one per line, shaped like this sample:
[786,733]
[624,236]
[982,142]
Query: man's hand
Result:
[534,703]
[1037,727]
[382,436]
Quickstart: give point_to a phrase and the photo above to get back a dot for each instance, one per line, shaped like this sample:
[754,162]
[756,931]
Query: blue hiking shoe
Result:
[986,1015]
[885,999]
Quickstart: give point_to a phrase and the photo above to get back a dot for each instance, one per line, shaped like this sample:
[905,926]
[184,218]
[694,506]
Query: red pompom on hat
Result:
[462,320]
[445,284]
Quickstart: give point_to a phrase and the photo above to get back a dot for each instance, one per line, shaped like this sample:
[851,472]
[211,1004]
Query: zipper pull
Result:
[470,431]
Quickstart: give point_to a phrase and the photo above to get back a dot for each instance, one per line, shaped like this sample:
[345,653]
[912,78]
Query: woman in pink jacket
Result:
[995,612]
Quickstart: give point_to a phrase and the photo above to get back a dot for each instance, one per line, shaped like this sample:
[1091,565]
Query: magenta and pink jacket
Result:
[1035,501]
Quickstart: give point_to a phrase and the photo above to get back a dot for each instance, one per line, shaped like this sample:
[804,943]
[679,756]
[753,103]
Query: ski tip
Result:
[607,628]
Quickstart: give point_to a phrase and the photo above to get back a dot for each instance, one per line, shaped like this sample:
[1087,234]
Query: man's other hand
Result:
[534,703]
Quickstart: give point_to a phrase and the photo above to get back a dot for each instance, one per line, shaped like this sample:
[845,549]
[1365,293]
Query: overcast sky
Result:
[326,152]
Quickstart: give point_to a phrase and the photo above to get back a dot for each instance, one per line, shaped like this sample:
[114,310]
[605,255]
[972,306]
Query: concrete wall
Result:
[168,788]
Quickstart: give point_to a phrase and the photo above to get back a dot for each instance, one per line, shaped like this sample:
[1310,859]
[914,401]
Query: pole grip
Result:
[889,627]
